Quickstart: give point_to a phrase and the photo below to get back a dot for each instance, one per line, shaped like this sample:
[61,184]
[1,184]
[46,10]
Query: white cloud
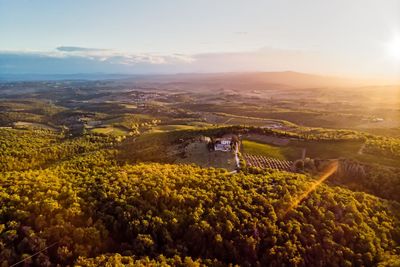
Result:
[69,59]
[117,57]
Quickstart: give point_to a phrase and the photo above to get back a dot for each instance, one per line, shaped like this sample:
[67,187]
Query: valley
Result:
[166,170]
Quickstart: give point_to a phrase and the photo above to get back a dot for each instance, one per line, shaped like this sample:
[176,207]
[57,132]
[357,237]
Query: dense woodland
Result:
[375,179]
[372,178]
[82,204]
[23,150]
[384,146]
[90,207]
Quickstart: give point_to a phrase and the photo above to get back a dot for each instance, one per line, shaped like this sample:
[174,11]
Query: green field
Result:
[149,146]
[131,106]
[109,130]
[199,124]
[126,119]
[33,125]
[255,148]
[173,127]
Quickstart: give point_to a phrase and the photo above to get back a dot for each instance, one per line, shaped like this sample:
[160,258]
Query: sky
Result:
[339,37]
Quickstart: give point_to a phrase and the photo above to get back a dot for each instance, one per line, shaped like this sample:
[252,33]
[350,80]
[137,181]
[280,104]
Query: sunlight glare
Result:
[330,170]
[393,48]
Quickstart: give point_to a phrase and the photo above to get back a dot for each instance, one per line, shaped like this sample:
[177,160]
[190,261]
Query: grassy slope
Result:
[115,131]
[254,148]
[164,128]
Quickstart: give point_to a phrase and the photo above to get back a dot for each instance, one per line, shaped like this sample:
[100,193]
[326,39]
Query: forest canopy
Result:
[91,210]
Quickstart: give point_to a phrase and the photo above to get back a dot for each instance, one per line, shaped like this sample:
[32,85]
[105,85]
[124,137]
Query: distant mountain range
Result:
[57,77]
[287,79]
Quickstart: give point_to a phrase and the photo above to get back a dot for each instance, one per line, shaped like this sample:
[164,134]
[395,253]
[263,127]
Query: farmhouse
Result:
[223,144]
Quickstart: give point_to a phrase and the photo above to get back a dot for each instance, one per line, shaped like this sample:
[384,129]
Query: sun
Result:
[393,48]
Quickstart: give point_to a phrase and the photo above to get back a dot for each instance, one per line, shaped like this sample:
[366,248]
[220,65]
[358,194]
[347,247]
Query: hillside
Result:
[90,211]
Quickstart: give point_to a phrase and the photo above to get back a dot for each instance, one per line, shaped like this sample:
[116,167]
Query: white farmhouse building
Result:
[223,144]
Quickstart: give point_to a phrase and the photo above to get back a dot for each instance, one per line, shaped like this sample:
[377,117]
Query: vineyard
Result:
[266,162]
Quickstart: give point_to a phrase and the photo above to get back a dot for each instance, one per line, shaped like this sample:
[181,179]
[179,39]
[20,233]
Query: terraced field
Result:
[266,162]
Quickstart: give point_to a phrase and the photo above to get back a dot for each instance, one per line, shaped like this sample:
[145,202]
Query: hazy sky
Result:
[349,37]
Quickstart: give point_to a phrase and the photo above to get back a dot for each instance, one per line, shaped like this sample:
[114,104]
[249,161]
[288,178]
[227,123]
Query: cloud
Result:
[117,57]
[71,59]
[78,49]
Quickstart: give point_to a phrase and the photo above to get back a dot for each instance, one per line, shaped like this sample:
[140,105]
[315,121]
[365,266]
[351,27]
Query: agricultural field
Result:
[168,128]
[260,149]
[264,162]
[33,125]
[266,139]
[230,119]
[115,131]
